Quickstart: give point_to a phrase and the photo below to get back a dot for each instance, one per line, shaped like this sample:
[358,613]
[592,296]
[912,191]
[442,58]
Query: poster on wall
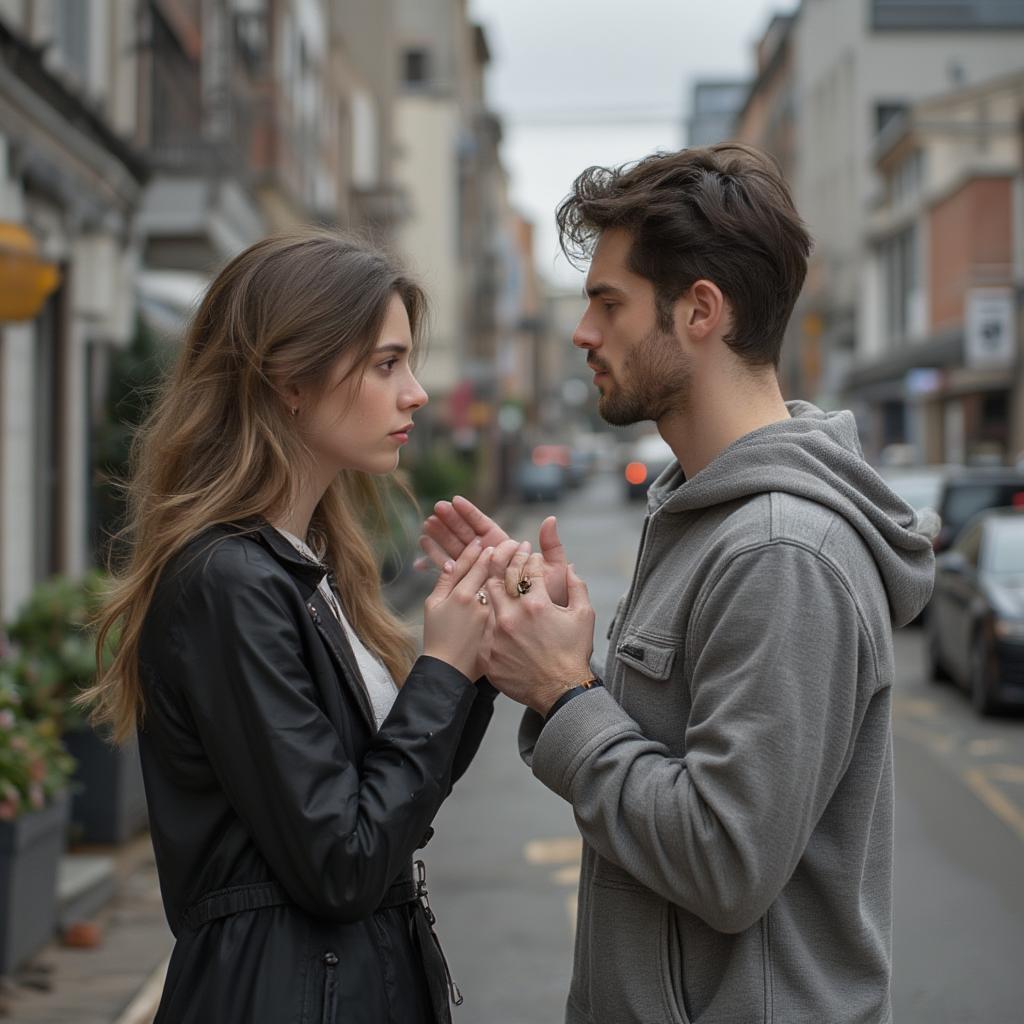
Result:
[991,341]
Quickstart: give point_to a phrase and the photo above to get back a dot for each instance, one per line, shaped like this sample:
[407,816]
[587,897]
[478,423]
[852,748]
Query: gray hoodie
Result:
[733,782]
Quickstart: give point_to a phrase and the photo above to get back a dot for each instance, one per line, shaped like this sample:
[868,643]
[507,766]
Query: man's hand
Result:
[538,650]
[456,523]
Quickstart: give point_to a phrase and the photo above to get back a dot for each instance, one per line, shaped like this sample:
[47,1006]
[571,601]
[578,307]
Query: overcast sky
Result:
[581,82]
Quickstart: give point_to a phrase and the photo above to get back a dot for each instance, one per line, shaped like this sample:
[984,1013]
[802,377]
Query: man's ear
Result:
[705,309]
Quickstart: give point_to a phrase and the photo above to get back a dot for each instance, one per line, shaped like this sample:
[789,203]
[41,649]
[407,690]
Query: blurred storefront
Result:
[70,187]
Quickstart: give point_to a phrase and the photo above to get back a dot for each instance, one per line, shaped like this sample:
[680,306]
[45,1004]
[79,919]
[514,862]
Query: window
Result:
[48,422]
[71,36]
[946,14]
[416,67]
[901,276]
[1004,547]
[969,545]
[905,182]
[885,113]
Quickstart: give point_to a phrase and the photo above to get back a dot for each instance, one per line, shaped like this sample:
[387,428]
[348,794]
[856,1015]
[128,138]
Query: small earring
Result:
[295,410]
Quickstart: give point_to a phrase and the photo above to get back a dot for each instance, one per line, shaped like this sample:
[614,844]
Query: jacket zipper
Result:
[330,961]
[454,993]
[631,593]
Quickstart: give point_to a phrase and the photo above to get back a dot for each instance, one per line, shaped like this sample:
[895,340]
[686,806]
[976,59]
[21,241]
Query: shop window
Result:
[416,67]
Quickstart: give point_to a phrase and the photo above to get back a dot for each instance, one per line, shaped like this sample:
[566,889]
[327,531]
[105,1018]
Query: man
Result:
[732,779]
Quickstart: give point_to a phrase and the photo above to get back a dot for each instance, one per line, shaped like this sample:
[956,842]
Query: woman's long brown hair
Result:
[220,444]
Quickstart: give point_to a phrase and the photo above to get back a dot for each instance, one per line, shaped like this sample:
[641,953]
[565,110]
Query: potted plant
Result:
[34,773]
[55,658]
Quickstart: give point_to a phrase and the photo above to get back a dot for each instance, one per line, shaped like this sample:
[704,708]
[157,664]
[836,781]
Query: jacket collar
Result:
[308,576]
[307,573]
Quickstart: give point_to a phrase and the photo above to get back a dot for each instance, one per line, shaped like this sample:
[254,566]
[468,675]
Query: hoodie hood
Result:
[817,456]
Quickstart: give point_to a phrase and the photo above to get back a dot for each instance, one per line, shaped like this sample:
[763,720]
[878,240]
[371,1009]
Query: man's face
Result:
[640,368]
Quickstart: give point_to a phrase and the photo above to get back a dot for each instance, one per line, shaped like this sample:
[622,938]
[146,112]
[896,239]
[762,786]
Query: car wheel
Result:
[982,681]
[937,672]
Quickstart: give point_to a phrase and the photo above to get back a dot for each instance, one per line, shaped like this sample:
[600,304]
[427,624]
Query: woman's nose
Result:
[415,397]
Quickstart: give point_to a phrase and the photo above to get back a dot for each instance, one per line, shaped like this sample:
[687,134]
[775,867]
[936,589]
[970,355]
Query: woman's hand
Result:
[455,523]
[456,623]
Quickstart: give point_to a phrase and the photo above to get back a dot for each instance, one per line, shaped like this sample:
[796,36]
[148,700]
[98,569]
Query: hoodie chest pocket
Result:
[647,653]
[644,684]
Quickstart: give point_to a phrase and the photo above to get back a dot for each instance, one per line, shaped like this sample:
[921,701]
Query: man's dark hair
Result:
[721,212]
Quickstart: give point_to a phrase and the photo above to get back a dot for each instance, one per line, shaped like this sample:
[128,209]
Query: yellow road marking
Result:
[554,851]
[996,802]
[1005,772]
[918,707]
[985,748]
[940,743]
[566,876]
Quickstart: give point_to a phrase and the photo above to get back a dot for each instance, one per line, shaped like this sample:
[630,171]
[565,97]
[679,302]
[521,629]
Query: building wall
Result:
[426,130]
[970,245]
[843,71]
[64,178]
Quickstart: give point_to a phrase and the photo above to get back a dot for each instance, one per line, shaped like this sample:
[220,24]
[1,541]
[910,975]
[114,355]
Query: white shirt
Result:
[376,679]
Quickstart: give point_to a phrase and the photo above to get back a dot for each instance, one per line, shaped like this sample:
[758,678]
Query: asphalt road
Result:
[504,862]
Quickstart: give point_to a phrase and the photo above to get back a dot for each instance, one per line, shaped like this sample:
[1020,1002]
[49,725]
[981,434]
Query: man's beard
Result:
[654,380]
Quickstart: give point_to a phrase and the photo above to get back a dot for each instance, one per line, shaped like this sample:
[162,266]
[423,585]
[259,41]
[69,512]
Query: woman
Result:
[289,778]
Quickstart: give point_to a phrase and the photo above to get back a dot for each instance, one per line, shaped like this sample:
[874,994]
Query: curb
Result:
[142,1009]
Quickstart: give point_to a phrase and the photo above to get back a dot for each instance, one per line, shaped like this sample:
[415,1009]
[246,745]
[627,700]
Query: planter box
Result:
[109,801]
[30,849]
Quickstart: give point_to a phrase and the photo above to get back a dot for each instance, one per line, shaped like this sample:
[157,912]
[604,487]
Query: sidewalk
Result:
[103,985]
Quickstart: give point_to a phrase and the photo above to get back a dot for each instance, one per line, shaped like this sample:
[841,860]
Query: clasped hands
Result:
[536,644]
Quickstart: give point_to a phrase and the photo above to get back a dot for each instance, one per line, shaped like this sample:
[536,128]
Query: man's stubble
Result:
[654,380]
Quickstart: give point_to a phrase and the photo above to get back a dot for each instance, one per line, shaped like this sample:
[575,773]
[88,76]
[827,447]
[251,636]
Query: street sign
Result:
[991,341]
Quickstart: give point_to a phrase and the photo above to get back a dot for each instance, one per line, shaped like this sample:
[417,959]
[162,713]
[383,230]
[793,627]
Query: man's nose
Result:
[585,336]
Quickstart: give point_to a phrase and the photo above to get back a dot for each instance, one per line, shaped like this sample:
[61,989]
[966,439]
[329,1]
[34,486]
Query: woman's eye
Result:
[389,365]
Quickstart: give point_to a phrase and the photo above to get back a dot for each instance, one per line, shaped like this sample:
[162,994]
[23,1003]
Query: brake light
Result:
[1018,500]
[636,473]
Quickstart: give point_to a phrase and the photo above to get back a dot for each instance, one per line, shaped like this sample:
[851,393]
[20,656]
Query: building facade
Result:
[858,64]
[938,361]
[71,182]
[713,111]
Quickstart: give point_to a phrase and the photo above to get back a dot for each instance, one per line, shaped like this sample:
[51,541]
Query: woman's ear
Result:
[705,309]
[292,398]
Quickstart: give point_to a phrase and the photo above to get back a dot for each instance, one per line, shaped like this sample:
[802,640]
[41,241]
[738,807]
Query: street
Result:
[503,865]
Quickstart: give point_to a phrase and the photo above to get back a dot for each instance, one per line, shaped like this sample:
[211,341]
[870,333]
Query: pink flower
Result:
[19,743]
[37,770]
[36,797]
[8,810]
[6,719]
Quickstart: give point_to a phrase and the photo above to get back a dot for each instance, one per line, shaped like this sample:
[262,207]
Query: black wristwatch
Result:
[573,691]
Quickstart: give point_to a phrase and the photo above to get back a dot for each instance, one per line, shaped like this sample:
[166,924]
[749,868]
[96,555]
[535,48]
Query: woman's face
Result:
[363,424]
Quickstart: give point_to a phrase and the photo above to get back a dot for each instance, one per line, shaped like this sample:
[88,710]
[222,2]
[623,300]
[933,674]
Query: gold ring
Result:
[482,597]
[525,583]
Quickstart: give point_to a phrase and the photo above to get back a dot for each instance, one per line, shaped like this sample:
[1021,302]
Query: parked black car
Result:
[967,491]
[975,621]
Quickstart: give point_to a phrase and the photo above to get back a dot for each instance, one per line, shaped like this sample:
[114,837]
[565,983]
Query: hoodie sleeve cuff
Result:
[567,739]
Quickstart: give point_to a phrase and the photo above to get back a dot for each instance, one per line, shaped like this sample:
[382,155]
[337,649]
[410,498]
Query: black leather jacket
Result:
[283,822]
